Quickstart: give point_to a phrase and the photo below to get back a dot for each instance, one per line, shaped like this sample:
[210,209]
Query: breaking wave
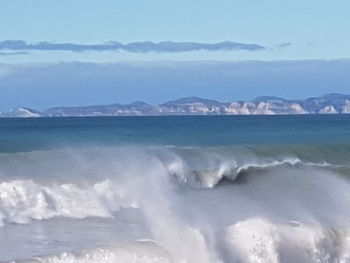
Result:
[281,205]
[232,172]
[22,201]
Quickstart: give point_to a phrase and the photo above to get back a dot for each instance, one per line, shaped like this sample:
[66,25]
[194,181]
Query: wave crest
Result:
[232,171]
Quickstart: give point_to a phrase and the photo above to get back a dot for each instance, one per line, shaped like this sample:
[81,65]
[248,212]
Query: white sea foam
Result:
[255,240]
[134,252]
[24,200]
[258,240]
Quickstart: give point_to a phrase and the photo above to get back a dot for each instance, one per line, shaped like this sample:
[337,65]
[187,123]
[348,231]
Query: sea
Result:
[196,189]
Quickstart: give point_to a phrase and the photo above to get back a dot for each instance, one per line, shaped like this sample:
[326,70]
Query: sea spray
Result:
[199,204]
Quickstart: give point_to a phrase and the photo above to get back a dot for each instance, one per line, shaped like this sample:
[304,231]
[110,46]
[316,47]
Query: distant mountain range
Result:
[264,105]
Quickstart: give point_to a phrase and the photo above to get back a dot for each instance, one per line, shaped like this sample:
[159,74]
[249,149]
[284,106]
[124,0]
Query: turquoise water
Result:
[175,189]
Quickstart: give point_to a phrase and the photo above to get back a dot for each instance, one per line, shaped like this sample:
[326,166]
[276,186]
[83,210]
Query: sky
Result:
[38,36]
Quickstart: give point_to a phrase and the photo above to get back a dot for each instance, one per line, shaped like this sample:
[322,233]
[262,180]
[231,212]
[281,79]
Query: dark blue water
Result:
[40,133]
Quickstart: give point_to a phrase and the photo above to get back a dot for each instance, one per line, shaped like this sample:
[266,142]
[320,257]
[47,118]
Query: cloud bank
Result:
[134,47]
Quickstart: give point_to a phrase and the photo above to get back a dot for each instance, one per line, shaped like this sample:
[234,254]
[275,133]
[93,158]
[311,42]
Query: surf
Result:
[199,204]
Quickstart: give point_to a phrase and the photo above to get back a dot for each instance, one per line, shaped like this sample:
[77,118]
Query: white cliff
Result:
[328,110]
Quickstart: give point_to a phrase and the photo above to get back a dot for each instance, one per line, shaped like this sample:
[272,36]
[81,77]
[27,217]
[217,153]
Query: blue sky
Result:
[52,32]
[75,83]
[315,29]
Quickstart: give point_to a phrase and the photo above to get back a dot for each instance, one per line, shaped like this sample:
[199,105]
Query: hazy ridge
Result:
[263,105]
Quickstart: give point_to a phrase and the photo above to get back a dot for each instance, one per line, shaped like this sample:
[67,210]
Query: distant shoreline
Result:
[195,106]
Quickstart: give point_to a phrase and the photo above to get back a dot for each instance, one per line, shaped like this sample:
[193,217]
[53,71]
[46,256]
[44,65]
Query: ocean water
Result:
[175,189]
